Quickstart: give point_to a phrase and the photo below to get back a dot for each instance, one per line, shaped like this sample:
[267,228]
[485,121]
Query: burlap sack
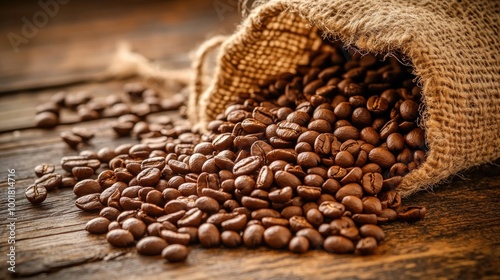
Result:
[453,45]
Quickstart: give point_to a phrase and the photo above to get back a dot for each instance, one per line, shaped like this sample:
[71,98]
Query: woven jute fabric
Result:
[454,47]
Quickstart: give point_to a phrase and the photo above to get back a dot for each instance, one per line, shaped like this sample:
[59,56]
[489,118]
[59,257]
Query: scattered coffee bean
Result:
[36,193]
[151,245]
[175,253]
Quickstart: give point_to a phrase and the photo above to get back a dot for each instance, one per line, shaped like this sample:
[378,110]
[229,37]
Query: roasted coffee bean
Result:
[374,231]
[299,245]
[395,142]
[97,225]
[366,246]
[353,189]
[372,183]
[286,179]
[288,131]
[237,223]
[209,235]
[338,245]
[134,226]
[43,169]
[89,203]
[120,238]
[231,239]
[354,176]
[288,155]
[382,157]
[87,186]
[247,166]
[253,236]
[372,205]
[82,172]
[353,204]
[415,138]
[331,186]
[299,117]
[173,237]
[412,213]
[408,110]
[331,209]
[308,192]
[277,237]
[207,204]
[281,195]
[49,181]
[363,219]
[46,119]
[345,133]
[68,163]
[109,213]
[36,193]
[151,246]
[175,253]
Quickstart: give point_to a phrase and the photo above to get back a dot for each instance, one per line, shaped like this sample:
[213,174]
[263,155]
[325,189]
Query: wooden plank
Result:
[79,41]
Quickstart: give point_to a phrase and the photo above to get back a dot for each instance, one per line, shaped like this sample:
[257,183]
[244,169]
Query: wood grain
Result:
[457,240]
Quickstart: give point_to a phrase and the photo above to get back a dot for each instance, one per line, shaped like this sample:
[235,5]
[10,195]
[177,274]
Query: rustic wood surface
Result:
[459,238]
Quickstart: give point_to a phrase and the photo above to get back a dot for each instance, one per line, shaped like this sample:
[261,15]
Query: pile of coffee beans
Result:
[311,160]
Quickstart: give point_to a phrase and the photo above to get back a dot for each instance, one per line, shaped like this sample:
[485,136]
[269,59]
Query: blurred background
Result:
[47,43]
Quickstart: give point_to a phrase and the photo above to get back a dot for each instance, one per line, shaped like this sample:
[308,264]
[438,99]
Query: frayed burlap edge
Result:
[453,46]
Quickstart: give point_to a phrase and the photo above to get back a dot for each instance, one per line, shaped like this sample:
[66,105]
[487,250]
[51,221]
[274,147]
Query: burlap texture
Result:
[453,45]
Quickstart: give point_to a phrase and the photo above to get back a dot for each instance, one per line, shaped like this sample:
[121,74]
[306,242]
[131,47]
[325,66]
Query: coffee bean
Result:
[109,213]
[135,226]
[49,181]
[288,131]
[415,138]
[395,142]
[408,110]
[277,237]
[299,245]
[151,246]
[345,133]
[46,120]
[382,157]
[86,187]
[36,193]
[338,245]
[286,179]
[97,225]
[120,238]
[68,163]
[89,202]
[412,213]
[366,246]
[331,209]
[175,253]
[208,235]
[372,183]
[43,169]
[353,189]
[374,231]
[247,166]
[207,204]
[236,223]
[149,176]
[173,237]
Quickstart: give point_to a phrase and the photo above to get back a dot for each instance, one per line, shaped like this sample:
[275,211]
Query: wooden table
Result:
[459,238]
